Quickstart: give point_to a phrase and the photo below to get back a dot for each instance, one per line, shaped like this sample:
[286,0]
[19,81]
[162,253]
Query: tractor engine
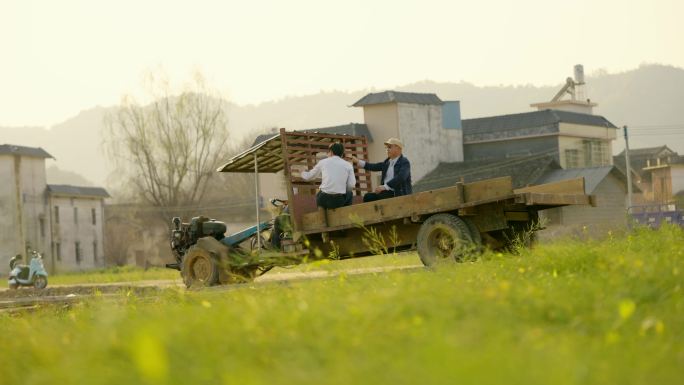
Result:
[185,235]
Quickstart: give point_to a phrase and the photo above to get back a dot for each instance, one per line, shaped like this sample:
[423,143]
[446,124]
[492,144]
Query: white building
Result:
[77,226]
[27,213]
[429,128]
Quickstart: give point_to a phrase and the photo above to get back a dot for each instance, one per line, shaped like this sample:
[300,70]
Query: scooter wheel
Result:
[40,282]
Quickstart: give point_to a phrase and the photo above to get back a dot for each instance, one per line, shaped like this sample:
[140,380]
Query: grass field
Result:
[113,275]
[572,312]
[133,274]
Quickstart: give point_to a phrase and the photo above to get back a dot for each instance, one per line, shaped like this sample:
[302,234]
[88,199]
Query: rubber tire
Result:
[199,268]
[474,233]
[432,232]
[13,286]
[40,282]
[253,243]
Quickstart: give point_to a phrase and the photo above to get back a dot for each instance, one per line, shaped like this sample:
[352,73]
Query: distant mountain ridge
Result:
[651,95]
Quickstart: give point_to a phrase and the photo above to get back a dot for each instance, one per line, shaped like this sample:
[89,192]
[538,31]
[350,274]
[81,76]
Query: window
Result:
[596,153]
[41,224]
[76,215]
[92,211]
[78,252]
[56,214]
[58,251]
[572,159]
[95,252]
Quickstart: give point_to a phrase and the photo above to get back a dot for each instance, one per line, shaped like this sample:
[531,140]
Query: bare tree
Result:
[169,149]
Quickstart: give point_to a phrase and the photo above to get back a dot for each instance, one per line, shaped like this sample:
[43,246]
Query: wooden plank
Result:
[570,186]
[326,144]
[519,216]
[427,202]
[490,216]
[540,199]
[288,179]
[298,135]
[487,189]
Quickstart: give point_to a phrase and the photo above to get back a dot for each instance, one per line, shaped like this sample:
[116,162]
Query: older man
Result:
[337,179]
[396,172]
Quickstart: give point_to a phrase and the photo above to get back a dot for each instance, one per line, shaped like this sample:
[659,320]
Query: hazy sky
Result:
[59,57]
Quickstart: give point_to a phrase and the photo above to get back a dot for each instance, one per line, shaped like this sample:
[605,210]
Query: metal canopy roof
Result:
[302,144]
[268,153]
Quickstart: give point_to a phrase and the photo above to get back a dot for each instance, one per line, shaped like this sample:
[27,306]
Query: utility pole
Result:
[629,171]
[256,192]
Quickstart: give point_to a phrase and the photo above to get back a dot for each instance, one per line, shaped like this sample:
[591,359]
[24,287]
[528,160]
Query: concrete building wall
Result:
[576,152]
[9,242]
[661,184]
[426,142]
[383,123]
[34,191]
[585,146]
[677,178]
[75,224]
[609,213]
[569,129]
[23,206]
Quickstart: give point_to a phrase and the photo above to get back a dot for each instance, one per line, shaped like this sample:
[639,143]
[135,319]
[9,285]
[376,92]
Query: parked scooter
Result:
[32,275]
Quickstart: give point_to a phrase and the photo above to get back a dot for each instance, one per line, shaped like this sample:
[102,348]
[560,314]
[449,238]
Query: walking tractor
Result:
[444,225]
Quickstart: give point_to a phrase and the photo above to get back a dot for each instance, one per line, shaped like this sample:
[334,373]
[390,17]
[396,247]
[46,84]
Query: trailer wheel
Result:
[199,268]
[474,233]
[444,238]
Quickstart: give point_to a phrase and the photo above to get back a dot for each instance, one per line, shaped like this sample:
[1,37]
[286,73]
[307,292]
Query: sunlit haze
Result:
[60,57]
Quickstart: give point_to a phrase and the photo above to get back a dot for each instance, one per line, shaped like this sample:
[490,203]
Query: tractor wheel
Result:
[443,238]
[253,242]
[40,282]
[199,268]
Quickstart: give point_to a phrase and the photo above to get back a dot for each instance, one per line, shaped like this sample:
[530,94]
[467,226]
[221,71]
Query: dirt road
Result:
[29,298]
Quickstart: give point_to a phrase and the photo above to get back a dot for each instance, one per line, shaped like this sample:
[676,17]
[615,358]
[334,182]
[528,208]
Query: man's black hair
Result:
[337,149]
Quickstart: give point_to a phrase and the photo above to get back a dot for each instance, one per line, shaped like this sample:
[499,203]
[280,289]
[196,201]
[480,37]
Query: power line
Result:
[646,126]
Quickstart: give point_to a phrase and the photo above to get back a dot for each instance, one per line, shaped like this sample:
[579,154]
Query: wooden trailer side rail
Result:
[459,197]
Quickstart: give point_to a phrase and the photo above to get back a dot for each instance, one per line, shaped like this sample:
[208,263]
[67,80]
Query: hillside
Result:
[647,96]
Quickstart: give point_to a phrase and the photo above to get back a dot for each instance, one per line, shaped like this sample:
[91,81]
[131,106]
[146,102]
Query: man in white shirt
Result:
[337,179]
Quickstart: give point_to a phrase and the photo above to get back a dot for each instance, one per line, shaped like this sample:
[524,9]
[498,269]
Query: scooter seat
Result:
[23,272]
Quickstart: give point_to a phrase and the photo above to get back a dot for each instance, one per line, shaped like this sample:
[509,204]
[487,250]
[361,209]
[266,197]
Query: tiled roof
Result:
[11,149]
[354,129]
[68,190]
[593,176]
[546,119]
[523,171]
[648,152]
[398,97]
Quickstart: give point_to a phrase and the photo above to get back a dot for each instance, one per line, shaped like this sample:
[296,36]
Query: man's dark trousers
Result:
[333,201]
[370,197]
